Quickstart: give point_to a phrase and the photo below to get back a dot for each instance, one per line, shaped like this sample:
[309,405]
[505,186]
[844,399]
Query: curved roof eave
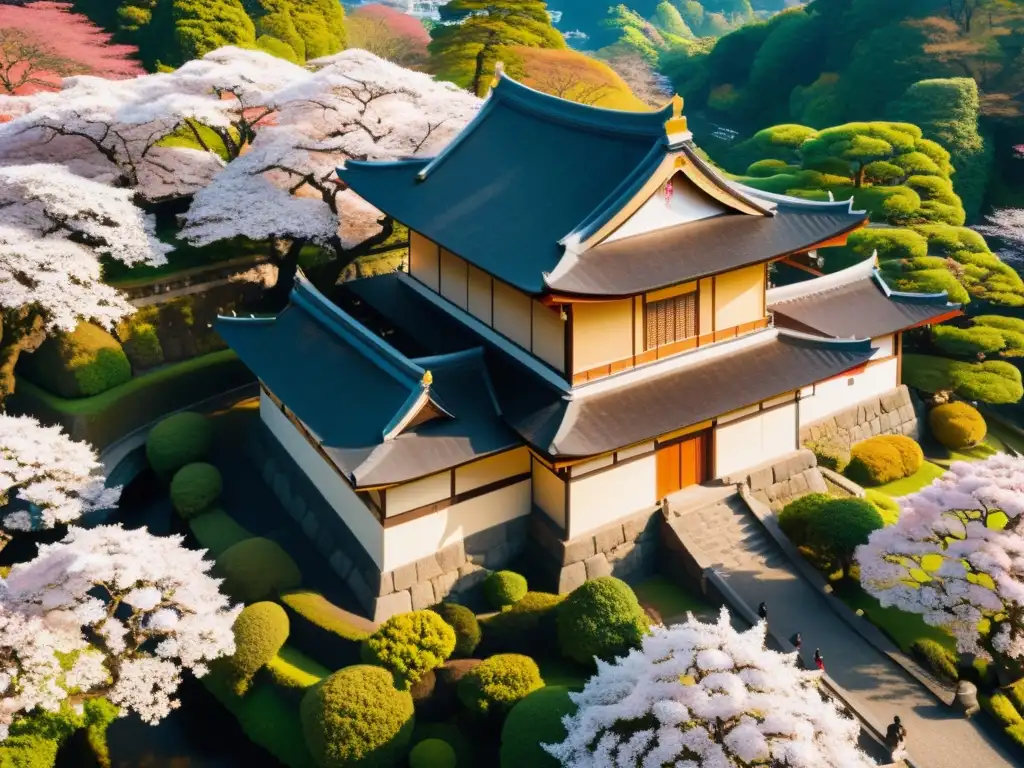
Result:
[795,202]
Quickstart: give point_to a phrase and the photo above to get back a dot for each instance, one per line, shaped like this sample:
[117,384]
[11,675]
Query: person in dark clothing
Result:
[797,641]
[762,611]
[895,738]
[819,661]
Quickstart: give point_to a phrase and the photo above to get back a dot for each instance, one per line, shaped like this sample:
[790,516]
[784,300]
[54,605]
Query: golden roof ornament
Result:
[499,70]
[428,379]
[677,123]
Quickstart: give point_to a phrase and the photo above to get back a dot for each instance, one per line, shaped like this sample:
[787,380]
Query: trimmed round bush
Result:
[875,462]
[525,627]
[910,452]
[886,505]
[82,363]
[795,518]
[496,684]
[432,753]
[503,588]
[256,569]
[957,425]
[194,489]
[601,618]
[180,439]
[444,699]
[842,526]
[356,718]
[216,531]
[261,629]
[465,624]
[535,720]
[830,455]
[410,645]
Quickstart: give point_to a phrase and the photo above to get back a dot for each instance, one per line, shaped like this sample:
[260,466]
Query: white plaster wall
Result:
[837,394]
[352,511]
[883,346]
[407,542]
[779,431]
[549,335]
[492,469]
[687,204]
[512,314]
[756,438]
[548,492]
[454,279]
[479,294]
[423,260]
[599,499]
[418,493]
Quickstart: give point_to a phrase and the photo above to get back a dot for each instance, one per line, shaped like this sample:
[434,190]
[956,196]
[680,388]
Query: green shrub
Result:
[993,381]
[525,627]
[535,720]
[194,489]
[141,343]
[967,342]
[886,505]
[465,624]
[261,630]
[939,659]
[494,685]
[432,753]
[256,569]
[356,717]
[216,531]
[957,425]
[796,517]
[910,452]
[1004,710]
[269,717]
[503,588]
[410,645]
[82,363]
[324,631]
[1016,735]
[1016,694]
[875,462]
[180,439]
[600,618]
[829,454]
[766,168]
[842,526]
[292,669]
[891,244]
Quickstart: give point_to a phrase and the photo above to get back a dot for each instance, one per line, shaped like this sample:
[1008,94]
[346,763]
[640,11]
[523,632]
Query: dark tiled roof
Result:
[349,388]
[523,175]
[700,248]
[853,303]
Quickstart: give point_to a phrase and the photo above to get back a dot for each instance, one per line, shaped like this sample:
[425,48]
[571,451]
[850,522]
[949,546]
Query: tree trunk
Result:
[21,330]
[478,71]
[286,257]
[858,178]
[326,277]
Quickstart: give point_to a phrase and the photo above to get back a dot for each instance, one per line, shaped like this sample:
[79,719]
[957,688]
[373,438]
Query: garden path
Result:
[729,536]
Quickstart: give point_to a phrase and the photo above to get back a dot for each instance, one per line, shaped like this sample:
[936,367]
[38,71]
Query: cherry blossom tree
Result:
[54,226]
[135,610]
[1006,224]
[956,556]
[354,105]
[706,696]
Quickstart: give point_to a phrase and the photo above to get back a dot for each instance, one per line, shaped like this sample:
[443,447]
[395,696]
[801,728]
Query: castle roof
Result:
[855,302]
[526,187]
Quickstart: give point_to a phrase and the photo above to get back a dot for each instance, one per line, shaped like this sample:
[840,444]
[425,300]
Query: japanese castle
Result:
[585,328]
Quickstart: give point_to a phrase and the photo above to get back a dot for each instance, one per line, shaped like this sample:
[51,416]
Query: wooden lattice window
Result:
[672,319]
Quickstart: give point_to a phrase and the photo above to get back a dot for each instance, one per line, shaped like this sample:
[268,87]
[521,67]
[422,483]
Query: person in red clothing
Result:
[819,662]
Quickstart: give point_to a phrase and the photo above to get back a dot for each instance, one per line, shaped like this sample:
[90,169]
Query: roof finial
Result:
[676,125]
[499,70]
[428,379]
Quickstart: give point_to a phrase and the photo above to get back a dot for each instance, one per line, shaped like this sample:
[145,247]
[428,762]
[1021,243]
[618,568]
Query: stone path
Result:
[728,535]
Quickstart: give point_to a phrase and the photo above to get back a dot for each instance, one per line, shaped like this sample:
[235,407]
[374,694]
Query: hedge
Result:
[216,531]
[937,658]
[535,720]
[86,362]
[261,630]
[465,624]
[601,618]
[194,489]
[180,439]
[256,569]
[410,645]
[291,668]
[957,425]
[504,588]
[910,452]
[795,518]
[1004,710]
[882,459]
[356,717]
[527,627]
[103,419]
[432,753]
[496,684]
[324,631]
[993,381]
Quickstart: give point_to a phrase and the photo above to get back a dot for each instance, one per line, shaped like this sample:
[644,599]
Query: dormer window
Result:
[670,320]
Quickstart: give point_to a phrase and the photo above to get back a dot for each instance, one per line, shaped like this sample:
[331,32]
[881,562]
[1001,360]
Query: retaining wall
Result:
[894,413]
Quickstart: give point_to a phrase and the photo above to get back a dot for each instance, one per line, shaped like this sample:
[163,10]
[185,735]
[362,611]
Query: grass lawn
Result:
[901,627]
[928,472]
[669,599]
[561,671]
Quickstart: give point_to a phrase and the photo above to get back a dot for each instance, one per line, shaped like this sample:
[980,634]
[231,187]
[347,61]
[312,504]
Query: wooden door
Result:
[682,463]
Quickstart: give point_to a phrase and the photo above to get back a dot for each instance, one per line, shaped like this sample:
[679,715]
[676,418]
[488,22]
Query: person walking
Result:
[819,661]
[762,611]
[896,739]
[798,642]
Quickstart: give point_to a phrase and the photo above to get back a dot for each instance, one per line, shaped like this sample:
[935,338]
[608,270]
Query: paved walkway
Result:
[730,537]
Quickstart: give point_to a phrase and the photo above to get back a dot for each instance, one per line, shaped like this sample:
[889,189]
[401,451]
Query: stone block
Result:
[517,528]
[282,489]
[798,485]
[846,419]
[496,557]
[360,588]
[340,563]
[875,408]
[297,509]
[470,575]
[640,526]
[481,541]
[385,585]
[310,525]
[404,576]
[906,412]
[761,479]
[452,556]
[815,481]
[762,496]
[597,566]
[876,426]
[902,395]
[422,595]
[814,433]
[780,472]
[427,568]
[862,413]
[609,538]
[578,550]
[444,584]
[571,577]
[620,552]
[773,490]
[387,606]
[888,402]
[325,543]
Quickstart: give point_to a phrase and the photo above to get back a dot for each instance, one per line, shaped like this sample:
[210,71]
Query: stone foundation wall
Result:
[894,413]
[778,482]
[626,549]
